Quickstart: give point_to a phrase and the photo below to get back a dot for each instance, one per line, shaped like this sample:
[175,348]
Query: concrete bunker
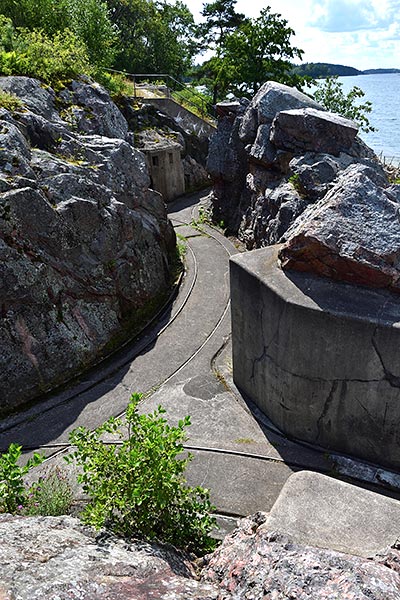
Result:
[319,357]
[166,169]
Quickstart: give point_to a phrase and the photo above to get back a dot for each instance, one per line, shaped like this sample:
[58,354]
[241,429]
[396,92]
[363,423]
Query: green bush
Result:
[89,21]
[52,59]
[13,492]
[116,83]
[137,487]
[10,101]
[332,97]
[51,495]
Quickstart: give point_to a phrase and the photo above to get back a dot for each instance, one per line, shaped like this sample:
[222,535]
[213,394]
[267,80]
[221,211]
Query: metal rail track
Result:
[61,448]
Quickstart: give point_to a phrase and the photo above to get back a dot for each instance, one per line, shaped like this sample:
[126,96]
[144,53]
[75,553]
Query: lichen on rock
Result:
[84,241]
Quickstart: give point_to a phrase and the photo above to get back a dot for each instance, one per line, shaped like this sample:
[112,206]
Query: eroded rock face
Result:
[352,234]
[275,156]
[312,130]
[84,241]
[63,559]
[257,565]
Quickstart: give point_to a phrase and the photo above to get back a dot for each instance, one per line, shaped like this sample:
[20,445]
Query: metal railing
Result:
[205,108]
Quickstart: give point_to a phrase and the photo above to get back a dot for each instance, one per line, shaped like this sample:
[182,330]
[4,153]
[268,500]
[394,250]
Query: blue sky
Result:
[358,33]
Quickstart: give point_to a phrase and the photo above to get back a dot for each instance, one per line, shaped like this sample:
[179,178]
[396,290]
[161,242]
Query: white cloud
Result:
[354,15]
[349,15]
[358,33]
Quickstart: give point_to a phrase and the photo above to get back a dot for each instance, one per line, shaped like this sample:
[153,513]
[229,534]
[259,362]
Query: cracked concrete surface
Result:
[242,459]
[321,357]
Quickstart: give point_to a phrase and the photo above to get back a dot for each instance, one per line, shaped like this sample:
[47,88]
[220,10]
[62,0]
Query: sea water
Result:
[383,91]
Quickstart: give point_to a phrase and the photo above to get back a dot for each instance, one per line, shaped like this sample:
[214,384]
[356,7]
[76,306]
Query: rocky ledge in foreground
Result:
[49,558]
[85,244]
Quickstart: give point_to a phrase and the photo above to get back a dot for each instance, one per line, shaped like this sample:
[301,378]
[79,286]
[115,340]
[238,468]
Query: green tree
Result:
[48,15]
[257,51]
[155,37]
[89,21]
[330,94]
[221,19]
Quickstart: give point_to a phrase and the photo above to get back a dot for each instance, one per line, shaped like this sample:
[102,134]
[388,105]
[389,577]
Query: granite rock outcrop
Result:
[282,157]
[85,244]
[63,559]
[352,234]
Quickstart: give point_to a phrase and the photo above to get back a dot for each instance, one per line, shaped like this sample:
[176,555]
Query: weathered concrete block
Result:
[319,357]
[316,510]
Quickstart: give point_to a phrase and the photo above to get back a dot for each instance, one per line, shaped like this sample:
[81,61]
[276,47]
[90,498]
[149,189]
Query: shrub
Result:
[89,20]
[116,83]
[53,59]
[51,495]
[13,492]
[10,101]
[137,487]
[331,95]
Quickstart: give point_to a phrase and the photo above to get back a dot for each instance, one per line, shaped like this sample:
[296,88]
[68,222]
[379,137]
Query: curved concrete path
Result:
[183,363]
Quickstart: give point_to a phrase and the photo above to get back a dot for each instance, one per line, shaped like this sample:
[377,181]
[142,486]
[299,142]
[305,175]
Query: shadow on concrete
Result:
[186,201]
[347,299]
[50,415]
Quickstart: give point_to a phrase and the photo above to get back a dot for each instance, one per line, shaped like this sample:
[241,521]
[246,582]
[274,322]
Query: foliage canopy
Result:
[254,51]
[33,53]
[330,94]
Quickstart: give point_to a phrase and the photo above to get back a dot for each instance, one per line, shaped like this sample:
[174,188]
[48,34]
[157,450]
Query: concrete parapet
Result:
[190,122]
[317,510]
[320,358]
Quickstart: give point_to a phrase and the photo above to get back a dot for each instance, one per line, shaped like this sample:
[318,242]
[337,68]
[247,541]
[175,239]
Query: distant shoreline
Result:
[320,70]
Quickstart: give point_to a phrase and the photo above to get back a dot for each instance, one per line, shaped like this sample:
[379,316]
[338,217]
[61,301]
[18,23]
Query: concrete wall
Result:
[166,171]
[321,359]
[185,118]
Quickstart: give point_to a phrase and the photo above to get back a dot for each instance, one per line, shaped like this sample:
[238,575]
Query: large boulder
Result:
[85,244]
[88,108]
[49,558]
[312,130]
[271,98]
[226,164]
[257,564]
[352,234]
[62,559]
[37,97]
[273,157]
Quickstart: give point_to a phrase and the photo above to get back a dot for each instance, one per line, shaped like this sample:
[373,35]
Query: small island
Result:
[318,70]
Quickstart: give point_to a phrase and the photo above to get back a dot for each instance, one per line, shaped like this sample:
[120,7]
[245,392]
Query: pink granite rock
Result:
[352,234]
[251,564]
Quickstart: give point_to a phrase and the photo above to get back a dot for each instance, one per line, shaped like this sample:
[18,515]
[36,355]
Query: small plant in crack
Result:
[136,486]
[202,218]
